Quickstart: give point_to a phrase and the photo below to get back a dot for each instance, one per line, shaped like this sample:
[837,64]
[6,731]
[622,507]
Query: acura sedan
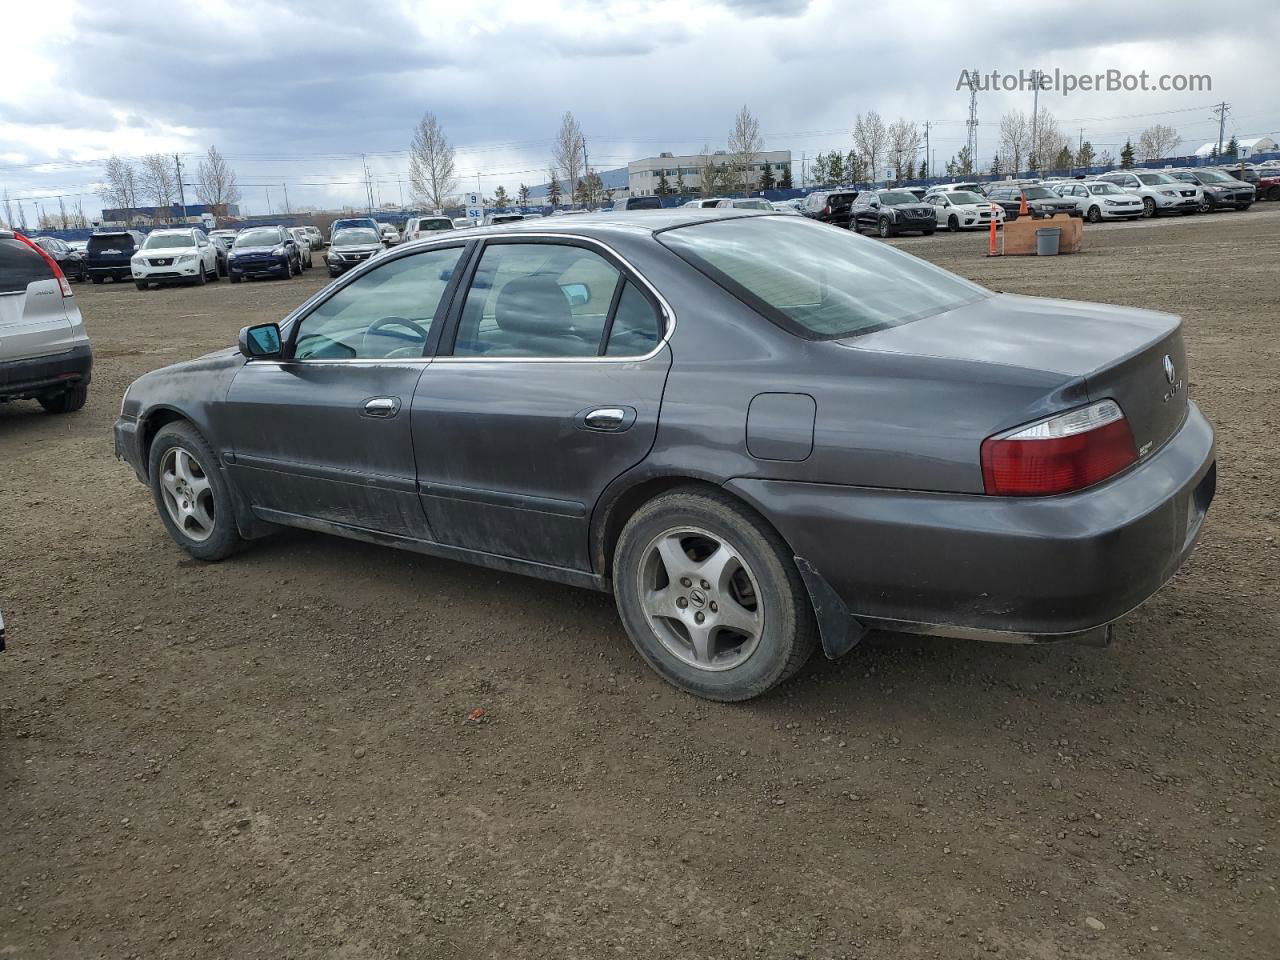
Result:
[760,434]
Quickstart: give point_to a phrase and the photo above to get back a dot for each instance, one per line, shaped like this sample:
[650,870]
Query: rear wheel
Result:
[710,596]
[191,493]
[67,401]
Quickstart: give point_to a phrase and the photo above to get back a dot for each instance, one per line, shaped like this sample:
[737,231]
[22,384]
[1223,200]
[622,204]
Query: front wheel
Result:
[191,493]
[711,597]
[953,223]
[1148,207]
[1094,215]
[1207,204]
[928,232]
[235,278]
[886,228]
[1242,209]
[140,285]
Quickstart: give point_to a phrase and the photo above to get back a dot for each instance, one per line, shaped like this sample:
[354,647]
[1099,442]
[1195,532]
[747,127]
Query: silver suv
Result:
[1160,192]
[44,351]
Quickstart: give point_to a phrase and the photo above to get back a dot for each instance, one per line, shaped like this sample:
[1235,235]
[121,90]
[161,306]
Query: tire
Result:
[214,275]
[953,223]
[1148,207]
[1273,193]
[927,233]
[886,228]
[234,278]
[334,274]
[1245,207]
[68,401]
[97,279]
[140,285]
[1094,215]
[201,278]
[212,507]
[1208,204]
[762,586]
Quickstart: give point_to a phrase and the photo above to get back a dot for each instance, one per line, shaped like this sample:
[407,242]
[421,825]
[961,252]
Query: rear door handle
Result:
[382,407]
[606,419]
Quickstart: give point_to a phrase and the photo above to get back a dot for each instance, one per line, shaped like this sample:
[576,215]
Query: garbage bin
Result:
[1047,241]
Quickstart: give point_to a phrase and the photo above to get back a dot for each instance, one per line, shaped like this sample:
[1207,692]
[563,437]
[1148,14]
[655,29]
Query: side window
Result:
[636,326]
[385,314]
[536,300]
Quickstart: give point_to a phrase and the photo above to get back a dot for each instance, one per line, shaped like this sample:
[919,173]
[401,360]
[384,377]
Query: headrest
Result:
[534,304]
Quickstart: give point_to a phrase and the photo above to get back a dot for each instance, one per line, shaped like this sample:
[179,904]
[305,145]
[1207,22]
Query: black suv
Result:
[1041,201]
[890,212]
[70,261]
[830,207]
[109,252]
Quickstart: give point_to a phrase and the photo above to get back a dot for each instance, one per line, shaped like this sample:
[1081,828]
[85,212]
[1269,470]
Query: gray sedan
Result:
[760,434]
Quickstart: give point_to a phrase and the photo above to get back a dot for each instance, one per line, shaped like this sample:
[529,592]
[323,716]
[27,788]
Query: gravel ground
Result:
[328,749]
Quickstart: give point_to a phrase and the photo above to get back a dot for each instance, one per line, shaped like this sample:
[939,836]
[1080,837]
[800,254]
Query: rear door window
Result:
[20,266]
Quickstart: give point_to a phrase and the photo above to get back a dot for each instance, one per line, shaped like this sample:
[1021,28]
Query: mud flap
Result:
[839,630]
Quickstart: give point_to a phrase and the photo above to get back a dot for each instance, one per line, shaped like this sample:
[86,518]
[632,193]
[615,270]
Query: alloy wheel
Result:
[701,599]
[187,494]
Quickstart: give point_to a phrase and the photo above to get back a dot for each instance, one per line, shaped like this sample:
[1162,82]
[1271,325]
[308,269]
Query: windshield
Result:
[1104,189]
[963,196]
[1212,176]
[1039,193]
[356,237]
[258,238]
[815,282]
[1150,179]
[891,198]
[168,241]
[753,204]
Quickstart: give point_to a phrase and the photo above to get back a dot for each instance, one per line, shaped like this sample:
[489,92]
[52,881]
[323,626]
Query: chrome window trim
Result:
[414,246]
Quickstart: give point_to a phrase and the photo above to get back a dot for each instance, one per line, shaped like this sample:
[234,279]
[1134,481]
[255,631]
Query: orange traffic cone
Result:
[1022,204]
[991,248]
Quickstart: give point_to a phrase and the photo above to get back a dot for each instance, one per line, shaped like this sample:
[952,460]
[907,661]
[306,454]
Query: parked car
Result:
[264,252]
[1268,185]
[495,218]
[70,262]
[317,238]
[304,246]
[1218,190]
[1100,200]
[178,255]
[44,351]
[1018,468]
[831,207]
[917,192]
[745,203]
[966,186]
[786,206]
[350,247]
[418,227]
[963,210]
[890,212]
[704,203]
[1160,193]
[461,223]
[108,254]
[369,222]
[390,235]
[638,203]
[1245,173]
[79,246]
[1041,201]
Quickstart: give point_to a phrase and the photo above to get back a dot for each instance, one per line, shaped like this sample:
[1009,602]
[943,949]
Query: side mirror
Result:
[577,294]
[261,342]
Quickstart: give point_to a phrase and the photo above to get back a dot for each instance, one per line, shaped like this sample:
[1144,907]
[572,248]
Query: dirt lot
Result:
[272,757]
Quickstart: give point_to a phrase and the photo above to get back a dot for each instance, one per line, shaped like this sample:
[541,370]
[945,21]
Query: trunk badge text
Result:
[1171,374]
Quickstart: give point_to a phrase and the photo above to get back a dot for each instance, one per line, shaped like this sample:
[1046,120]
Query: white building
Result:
[1248,146]
[643,176]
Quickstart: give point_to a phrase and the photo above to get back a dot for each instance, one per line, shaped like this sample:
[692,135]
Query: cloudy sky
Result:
[294,92]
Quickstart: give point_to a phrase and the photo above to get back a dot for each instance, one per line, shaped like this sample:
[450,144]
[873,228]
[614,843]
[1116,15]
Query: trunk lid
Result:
[33,318]
[1117,352]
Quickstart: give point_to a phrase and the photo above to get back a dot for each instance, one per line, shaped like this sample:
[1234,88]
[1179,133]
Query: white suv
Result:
[1160,192]
[418,227]
[183,255]
[1101,200]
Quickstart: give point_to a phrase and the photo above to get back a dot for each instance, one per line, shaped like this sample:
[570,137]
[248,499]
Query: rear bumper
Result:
[1001,568]
[26,379]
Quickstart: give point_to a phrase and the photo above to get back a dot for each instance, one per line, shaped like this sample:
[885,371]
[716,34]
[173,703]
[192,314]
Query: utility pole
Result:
[368,184]
[1079,151]
[926,145]
[586,165]
[182,195]
[268,201]
[1221,111]
[285,188]
[972,122]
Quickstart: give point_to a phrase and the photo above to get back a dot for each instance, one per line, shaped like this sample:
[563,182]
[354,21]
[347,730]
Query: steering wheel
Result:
[391,322]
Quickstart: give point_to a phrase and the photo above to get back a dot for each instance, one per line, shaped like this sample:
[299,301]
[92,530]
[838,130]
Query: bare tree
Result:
[904,140]
[121,187]
[8,210]
[566,155]
[745,145]
[158,182]
[217,186]
[714,173]
[1157,141]
[432,163]
[1049,141]
[871,140]
[1015,140]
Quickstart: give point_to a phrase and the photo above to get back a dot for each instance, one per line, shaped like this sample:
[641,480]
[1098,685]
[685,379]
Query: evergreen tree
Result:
[500,198]
[1063,161]
[1085,156]
[964,160]
[785,182]
[523,194]
[664,188]
[1233,146]
[680,187]
[1126,156]
[923,173]
[835,167]
[995,165]
[553,188]
[852,167]
[821,170]
[766,177]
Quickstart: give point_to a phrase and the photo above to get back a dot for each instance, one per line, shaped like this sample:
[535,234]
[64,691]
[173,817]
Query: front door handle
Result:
[382,407]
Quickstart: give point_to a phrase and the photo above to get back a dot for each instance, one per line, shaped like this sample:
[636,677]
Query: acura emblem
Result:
[1169,371]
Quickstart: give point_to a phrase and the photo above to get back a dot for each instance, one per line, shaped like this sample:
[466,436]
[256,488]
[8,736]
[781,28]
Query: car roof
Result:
[166,231]
[609,223]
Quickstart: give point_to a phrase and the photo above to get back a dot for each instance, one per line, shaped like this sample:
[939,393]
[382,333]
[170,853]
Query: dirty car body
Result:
[928,456]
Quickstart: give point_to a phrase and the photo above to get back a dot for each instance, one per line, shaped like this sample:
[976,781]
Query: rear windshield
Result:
[168,241]
[110,241]
[20,266]
[834,198]
[441,223]
[815,282]
[892,198]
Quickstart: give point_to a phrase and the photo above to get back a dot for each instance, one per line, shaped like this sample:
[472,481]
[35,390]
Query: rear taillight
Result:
[1064,453]
[826,211]
[61,277]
